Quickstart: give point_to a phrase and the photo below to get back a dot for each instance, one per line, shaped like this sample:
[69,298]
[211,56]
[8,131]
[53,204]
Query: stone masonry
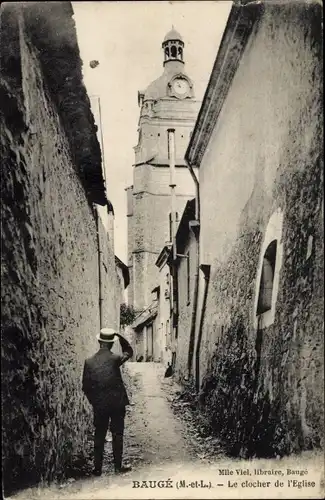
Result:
[50,289]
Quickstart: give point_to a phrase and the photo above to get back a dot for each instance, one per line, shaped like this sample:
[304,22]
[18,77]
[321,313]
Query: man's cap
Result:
[107,335]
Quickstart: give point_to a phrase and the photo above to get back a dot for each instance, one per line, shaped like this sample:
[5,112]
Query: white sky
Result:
[126,37]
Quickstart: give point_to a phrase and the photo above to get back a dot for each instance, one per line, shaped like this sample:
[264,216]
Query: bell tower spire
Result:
[173,46]
[167,102]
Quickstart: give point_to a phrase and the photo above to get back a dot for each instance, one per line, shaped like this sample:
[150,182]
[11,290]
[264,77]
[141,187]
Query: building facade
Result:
[258,145]
[145,330]
[186,269]
[165,293]
[168,102]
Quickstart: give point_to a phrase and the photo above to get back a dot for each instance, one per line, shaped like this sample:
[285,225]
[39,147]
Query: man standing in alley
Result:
[104,388]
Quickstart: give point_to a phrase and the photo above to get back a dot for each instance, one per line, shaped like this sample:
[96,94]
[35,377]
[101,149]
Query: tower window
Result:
[180,53]
[174,52]
[267,279]
[267,284]
[166,53]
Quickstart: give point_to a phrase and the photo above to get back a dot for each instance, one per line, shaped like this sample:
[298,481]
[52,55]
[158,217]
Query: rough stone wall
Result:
[264,388]
[50,312]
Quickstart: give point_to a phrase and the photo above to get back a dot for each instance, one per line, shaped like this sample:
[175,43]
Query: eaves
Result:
[242,19]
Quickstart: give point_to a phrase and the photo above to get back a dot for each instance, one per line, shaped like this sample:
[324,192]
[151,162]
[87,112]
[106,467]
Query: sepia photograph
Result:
[162,249]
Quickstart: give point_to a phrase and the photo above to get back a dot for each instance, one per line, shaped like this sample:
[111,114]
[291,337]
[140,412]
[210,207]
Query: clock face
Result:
[180,86]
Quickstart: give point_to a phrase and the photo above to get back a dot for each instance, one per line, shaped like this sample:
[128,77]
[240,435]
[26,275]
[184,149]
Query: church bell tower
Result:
[168,102]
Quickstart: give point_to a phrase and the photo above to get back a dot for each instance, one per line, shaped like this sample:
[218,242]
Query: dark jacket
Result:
[102,381]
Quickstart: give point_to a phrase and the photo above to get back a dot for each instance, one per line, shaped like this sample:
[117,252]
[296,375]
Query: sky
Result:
[125,38]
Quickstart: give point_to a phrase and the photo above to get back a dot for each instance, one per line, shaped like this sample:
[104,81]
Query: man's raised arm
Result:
[127,351]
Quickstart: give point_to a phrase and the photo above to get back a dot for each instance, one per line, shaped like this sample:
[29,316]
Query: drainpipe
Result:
[195,227]
[172,185]
[99,253]
[206,271]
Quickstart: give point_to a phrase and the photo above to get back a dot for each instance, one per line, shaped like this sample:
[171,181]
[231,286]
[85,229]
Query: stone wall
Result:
[263,384]
[49,273]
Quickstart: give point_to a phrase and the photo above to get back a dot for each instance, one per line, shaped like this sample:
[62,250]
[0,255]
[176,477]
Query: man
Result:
[104,388]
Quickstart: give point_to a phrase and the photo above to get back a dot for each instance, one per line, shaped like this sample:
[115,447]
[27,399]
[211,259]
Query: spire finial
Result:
[173,46]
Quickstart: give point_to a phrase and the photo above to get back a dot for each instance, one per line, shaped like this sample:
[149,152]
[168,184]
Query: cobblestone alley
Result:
[162,447]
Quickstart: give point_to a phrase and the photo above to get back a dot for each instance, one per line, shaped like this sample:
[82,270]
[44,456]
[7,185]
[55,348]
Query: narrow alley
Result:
[154,431]
[162,271]
[165,450]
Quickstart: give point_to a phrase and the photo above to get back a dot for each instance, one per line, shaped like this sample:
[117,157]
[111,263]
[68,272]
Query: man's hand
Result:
[126,349]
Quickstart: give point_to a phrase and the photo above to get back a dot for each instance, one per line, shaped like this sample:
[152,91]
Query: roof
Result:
[159,87]
[242,18]
[182,234]
[125,271]
[183,227]
[163,256]
[173,35]
[49,27]
[146,316]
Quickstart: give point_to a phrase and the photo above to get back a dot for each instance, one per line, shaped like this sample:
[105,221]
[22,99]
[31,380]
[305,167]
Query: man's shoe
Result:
[97,472]
[122,470]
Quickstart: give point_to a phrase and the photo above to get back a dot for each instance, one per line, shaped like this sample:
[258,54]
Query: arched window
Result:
[180,53]
[174,52]
[268,273]
[267,279]
[166,53]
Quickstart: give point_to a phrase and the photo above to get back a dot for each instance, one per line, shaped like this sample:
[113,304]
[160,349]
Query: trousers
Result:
[113,417]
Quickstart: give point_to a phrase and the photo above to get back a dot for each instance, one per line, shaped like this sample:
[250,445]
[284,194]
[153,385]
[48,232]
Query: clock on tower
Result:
[180,87]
